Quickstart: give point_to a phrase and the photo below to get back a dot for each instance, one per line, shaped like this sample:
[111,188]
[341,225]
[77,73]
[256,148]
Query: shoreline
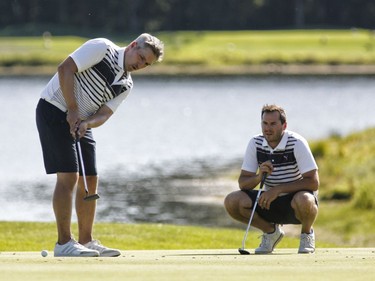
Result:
[198,70]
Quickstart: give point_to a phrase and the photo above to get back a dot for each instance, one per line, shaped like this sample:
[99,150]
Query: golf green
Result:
[284,264]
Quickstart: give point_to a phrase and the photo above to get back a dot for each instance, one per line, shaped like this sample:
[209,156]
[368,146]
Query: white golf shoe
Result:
[270,240]
[307,243]
[73,249]
[103,251]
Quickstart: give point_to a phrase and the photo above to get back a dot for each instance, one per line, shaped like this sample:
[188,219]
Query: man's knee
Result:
[303,199]
[229,201]
[304,204]
[233,201]
[67,180]
[237,200]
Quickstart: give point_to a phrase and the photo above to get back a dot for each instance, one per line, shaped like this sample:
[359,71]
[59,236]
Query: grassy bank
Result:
[263,47]
[347,168]
[216,52]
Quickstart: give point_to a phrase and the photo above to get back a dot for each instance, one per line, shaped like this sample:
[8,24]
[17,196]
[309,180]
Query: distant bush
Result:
[319,149]
[347,168]
[365,194]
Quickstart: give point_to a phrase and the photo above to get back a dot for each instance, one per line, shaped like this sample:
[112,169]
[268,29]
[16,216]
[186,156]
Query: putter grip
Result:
[264,176]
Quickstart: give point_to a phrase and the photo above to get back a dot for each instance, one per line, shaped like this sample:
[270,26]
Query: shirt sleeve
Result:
[304,157]
[113,104]
[89,54]
[250,162]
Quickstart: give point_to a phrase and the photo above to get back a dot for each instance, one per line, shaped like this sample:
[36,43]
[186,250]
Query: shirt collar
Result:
[280,146]
[120,61]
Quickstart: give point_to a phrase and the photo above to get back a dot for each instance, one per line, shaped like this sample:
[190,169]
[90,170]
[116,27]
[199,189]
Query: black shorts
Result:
[58,145]
[281,211]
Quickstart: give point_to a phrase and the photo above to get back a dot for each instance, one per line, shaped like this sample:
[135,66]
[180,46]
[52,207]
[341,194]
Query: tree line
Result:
[133,16]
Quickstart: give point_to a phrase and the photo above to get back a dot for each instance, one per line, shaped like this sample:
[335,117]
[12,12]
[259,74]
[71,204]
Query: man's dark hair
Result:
[272,108]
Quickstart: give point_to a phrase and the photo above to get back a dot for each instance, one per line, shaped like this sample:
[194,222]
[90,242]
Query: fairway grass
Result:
[35,236]
[284,264]
[216,52]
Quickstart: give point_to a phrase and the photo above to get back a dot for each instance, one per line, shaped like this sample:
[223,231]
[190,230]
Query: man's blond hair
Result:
[146,40]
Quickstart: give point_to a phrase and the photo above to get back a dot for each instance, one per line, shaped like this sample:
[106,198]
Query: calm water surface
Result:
[161,155]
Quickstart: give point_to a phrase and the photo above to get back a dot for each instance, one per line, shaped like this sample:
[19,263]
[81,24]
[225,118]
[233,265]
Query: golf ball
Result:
[44,253]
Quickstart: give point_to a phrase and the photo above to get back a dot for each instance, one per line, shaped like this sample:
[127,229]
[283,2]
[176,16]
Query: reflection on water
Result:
[190,193]
[166,200]
[191,196]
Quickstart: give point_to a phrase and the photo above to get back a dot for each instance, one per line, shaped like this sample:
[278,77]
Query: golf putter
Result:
[242,250]
[87,197]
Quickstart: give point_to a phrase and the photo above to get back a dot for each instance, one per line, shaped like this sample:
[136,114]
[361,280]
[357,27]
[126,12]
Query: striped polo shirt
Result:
[100,80]
[291,158]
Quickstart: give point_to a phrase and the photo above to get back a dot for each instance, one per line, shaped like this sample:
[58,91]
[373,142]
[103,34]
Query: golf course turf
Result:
[227,264]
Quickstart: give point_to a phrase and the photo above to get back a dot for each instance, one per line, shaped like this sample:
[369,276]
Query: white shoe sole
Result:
[82,254]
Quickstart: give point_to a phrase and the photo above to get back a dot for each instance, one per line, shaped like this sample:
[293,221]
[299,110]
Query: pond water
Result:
[163,154]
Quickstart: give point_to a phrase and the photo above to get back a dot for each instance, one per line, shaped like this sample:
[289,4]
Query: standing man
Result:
[291,186]
[86,90]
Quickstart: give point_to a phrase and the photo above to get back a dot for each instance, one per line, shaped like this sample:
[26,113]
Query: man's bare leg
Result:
[305,210]
[239,206]
[62,205]
[86,209]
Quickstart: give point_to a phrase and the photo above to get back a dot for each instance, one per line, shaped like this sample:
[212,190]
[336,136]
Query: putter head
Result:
[91,197]
[243,251]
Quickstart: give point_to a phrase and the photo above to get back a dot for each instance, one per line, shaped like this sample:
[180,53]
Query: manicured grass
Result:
[191,264]
[35,236]
[216,48]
